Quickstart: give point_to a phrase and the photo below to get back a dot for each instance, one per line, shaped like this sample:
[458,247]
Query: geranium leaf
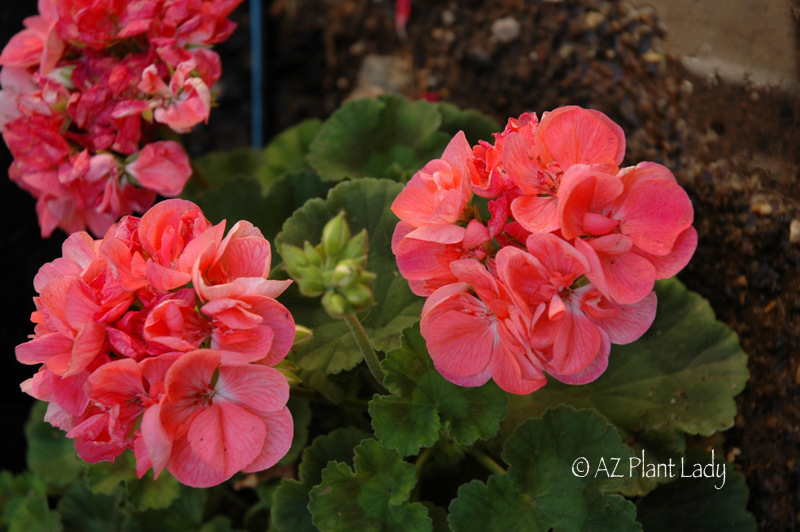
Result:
[372,496]
[423,401]
[475,125]
[81,509]
[51,455]
[540,490]
[365,203]
[23,504]
[709,502]
[680,377]
[143,493]
[286,153]
[185,514]
[289,511]
[386,137]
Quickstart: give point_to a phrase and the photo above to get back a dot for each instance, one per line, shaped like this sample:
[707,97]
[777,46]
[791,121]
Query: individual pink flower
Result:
[223,418]
[424,254]
[161,166]
[472,338]
[621,220]
[439,192]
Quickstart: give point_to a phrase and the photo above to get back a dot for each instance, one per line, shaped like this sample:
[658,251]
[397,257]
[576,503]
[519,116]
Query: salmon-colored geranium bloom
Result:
[122,327]
[563,267]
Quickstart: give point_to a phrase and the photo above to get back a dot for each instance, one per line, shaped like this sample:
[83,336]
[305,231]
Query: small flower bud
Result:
[359,296]
[335,304]
[366,278]
[313,254]
[293,258]
[357,248]
[335,236]
[302,335]
[345,272]
[289,370]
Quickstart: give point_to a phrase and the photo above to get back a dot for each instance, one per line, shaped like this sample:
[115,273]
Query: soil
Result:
[735,148]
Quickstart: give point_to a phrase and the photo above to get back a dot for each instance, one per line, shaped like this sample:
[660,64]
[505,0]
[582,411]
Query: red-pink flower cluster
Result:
[85,88]
[160,338]
[562,266]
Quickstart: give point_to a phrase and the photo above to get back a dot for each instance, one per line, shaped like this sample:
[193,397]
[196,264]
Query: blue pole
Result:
[257,76]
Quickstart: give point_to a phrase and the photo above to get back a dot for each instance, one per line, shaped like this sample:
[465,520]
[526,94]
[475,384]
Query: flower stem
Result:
[488,462]
[423,458]
[370,356]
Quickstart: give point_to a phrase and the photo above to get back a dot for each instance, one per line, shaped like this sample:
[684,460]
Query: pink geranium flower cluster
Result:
[160,338]
[85,88]
[565,262]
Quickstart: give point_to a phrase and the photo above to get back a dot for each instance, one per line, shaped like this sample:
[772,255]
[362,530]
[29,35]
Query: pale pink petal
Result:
[259,388]
[653,214]
[163,278]
[571,135]
[42,348]
[470,382]
[674,261]
[626,278]
[226,436]
[538,214]
[593,370]
[629,324]
[189,469]
[156,439]
[578,341]
[115,382]
[507,375]
[459,342]
[279,434]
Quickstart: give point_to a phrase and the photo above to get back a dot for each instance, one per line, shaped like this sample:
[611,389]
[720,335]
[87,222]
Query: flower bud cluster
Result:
[86,88]
[559,265]
[161,338]
[335,268]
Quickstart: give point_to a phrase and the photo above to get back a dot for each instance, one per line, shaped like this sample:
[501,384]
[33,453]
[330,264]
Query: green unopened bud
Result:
[313,255]
[289,370]
[335,236]
[345,273]
[335,304]
[366,278]
[310,287]
[293,258]
[302,335]
[358,295]
[357,248]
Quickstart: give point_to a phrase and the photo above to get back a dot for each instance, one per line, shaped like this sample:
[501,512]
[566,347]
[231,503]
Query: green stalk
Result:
[368,352]
[487,462]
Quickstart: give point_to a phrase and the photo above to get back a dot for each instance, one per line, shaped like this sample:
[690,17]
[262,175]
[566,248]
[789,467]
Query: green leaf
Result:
[23,503]
[681,376]
[143,493]
[373,496]
[540,490]
[384,137]
[51,455]
[290,501]
[217,168]
[423,401]
[366,205]
[475,125]
[710,502]
[286,153]
[85,511]
[184,515]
